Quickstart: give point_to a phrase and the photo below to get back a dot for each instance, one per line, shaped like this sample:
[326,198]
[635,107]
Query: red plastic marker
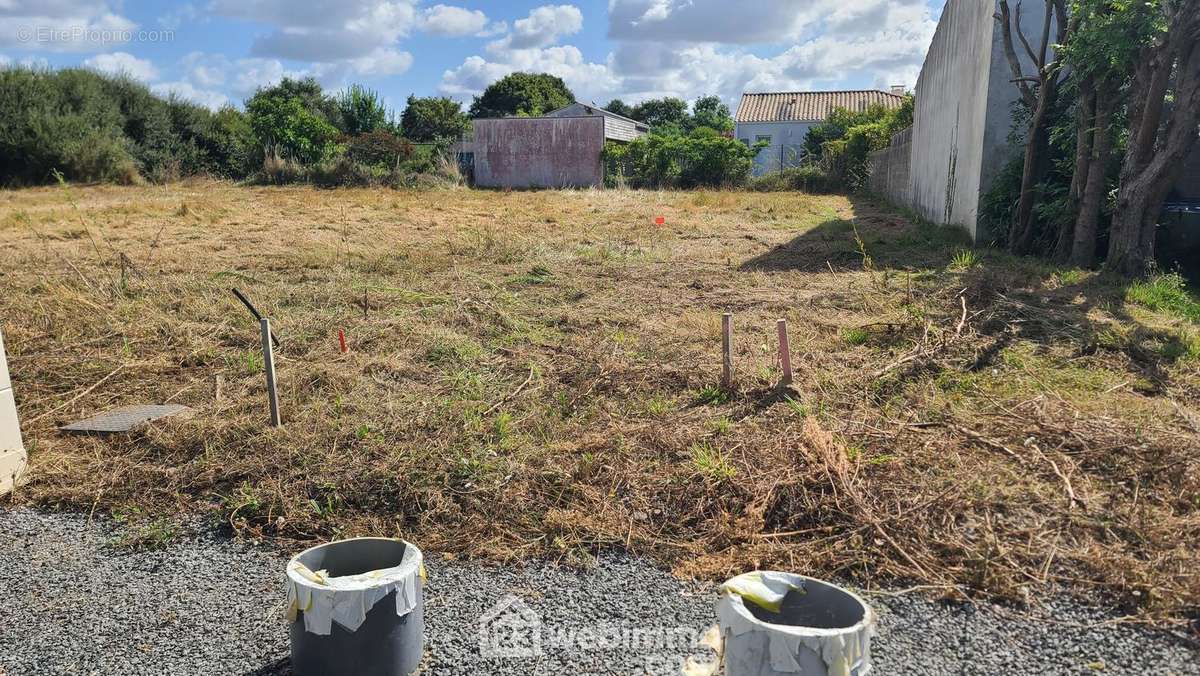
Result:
[660,220]
[342,341]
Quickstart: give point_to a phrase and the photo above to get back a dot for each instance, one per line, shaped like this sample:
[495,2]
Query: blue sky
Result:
[218,51]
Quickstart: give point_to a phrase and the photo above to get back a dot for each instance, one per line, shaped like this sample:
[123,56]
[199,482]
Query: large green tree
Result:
[663,114]
[711,112]
[522,94]
[293,118]
[362,111]
[1164,112]
[428,119]
[620,108]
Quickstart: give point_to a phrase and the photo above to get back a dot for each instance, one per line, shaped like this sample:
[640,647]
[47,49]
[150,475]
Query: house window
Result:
[763,137]
[746,141]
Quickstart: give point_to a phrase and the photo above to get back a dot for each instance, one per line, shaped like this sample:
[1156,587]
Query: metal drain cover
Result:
[125,418]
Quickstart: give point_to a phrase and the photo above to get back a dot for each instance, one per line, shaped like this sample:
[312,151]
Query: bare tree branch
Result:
[1003,18]
[1024,41]
[1045,36]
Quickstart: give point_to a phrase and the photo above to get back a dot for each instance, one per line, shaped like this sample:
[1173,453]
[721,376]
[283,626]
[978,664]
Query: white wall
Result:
[787,143]
[12,451]
[963,115]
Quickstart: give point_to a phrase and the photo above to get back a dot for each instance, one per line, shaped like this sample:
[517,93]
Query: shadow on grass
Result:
[1024,298]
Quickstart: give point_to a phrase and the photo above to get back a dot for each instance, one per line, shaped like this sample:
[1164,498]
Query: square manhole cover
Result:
[125,418]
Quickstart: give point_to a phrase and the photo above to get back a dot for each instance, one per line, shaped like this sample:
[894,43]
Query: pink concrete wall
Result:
[539,152]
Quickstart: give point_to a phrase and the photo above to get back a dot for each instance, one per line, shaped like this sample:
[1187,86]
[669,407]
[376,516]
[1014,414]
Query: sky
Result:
[217,52]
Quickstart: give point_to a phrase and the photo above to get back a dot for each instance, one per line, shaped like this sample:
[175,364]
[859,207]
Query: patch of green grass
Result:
[1166,293]
[964,259]
[711,394]
[658,405]
[450,351]
[711,462]
[150,535]
[538,274]
[796,407]
[1070,277]
[248,362]
[721,425]
[855,336]
[1185,346]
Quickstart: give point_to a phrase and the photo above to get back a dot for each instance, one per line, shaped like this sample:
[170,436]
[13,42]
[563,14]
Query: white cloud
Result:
[180,15]
[589,81]
[683,48]
[62,25]
[544,26]
[456,22]
[324,32]
[186,90]
[123,63]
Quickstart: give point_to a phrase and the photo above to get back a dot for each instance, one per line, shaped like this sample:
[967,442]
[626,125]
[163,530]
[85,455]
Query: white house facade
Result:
[782,120]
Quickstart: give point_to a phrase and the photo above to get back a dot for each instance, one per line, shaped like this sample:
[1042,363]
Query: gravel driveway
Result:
[73,603]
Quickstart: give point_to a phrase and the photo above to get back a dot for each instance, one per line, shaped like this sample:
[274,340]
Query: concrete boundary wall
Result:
[889,170]
[12,450]
[962,117]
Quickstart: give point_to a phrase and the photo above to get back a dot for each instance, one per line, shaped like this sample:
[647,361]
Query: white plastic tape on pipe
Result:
[757,648]
[346,600]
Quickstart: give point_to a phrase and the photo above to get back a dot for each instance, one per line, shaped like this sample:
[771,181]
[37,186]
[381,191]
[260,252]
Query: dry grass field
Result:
[536,373]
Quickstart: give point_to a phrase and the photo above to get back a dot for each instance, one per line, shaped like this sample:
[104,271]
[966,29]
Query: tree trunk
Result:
[1087,222]
[1156,154]
[1021,234]
[1085,111]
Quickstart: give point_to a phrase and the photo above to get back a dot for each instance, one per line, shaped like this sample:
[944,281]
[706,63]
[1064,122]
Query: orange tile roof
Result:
[808,106]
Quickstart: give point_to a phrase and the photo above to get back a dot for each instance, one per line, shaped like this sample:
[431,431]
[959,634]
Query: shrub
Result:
[808,178]
[378,148]
[362,111]
[671,160]
[343,171]
[96,127]
[842,144]
[293,128]
[279,170]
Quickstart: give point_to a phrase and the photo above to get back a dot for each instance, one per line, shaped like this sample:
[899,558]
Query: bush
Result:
[671,160]
[290,125]
[809,179]
[378,148]
[842,144]
[344,172]
[279,170]
[96,127]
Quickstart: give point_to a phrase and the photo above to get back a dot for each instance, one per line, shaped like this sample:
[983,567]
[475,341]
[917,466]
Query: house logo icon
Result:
[510,629]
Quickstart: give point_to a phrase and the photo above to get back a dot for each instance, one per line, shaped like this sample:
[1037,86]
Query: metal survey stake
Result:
[269,367]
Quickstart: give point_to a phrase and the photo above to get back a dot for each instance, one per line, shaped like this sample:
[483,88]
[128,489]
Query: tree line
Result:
[1110,108]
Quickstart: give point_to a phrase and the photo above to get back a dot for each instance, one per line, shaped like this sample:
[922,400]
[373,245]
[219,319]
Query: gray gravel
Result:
[75,604]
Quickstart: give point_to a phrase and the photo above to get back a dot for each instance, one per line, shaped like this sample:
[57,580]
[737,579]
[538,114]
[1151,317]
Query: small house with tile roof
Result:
[783,119]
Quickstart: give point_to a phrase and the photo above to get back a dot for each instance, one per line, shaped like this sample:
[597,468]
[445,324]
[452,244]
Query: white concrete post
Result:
[13,460]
